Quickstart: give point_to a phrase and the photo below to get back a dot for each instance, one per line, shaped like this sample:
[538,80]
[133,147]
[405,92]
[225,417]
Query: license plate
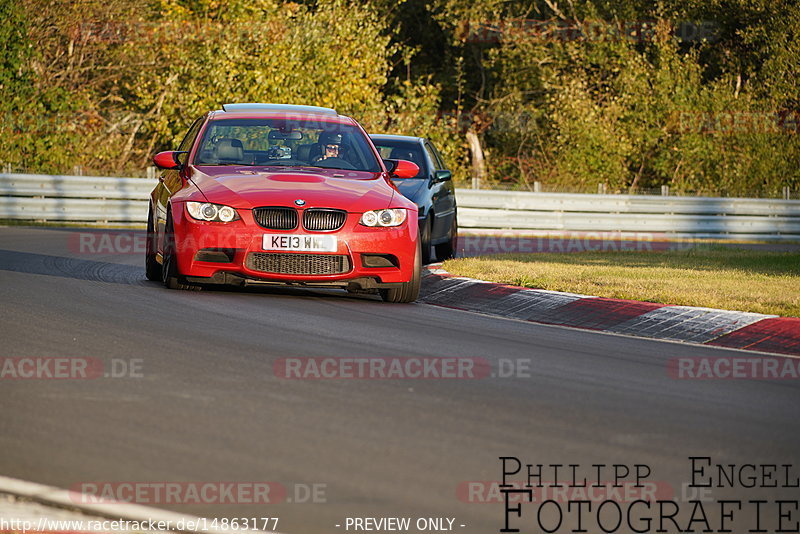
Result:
[311,243]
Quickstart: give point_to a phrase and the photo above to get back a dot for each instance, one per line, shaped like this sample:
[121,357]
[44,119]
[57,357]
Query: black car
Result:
[431,189]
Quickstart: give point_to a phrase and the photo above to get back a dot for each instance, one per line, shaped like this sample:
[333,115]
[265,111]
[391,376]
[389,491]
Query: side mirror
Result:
[390,165]
[168,160]
[443,176]
[400,168]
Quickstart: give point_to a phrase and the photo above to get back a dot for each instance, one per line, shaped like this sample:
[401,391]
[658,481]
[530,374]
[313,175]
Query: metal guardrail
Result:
[124,200]
[696,217]
[40,197]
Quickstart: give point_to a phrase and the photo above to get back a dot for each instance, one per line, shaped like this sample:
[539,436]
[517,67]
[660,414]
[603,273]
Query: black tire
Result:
[447,250]
[152,269]
[408,291]
[425,239]
[170,274]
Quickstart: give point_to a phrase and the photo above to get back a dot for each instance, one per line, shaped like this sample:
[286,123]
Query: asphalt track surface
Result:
[208,406]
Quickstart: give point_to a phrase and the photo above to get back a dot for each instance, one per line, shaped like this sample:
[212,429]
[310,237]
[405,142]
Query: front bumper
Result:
[225,252]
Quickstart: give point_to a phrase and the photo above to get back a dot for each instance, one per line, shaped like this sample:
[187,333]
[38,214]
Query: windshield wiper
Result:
[228,164]
[301,166]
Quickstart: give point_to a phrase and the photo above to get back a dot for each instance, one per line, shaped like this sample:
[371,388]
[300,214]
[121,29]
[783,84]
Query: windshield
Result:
[286,143]
[403,150]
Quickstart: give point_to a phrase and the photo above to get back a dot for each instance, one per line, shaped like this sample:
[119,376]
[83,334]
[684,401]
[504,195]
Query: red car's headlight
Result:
[390,217]
[205,211]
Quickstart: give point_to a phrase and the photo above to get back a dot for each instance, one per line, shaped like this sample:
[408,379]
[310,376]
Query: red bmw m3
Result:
[279,194]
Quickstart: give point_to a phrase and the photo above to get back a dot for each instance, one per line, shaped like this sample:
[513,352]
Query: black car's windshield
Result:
[403,150]
[286,143]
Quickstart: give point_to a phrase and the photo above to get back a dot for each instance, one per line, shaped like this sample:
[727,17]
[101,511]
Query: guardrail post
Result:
[77,170]
[537,187]
[664,190]
[787,193]
[478,162]
[602,188]
[151,173]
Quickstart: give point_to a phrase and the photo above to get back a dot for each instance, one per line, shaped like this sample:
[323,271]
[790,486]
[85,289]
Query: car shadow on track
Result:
[117,273]
[291,291]
[66,267]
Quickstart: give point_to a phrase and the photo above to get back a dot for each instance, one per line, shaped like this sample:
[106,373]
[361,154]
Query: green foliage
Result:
[594,92]
[334,55]
[414,109]
[644,112]
[15,50]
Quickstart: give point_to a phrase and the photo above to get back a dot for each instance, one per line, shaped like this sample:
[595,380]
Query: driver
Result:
[331,145]
[331,151]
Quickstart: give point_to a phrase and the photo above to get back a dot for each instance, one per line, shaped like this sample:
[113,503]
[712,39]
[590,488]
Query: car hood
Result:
[410,187]
[248,188]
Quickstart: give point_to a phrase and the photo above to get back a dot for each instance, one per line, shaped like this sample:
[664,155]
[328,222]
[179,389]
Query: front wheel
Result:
[152,269]
[447,250]
[408,291]
[169,268]
[425,239]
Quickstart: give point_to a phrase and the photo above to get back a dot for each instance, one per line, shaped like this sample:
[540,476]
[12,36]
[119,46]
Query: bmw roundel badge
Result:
[300,202]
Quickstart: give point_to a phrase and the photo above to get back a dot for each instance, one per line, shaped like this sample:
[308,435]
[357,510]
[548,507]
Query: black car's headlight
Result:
[390,217]
[205,211]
